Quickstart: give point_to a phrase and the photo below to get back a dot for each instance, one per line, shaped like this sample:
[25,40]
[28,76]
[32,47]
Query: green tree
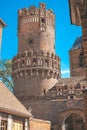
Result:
[6,73]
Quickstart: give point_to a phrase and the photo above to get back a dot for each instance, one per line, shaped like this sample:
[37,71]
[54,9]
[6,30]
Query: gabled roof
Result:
[2,23]
[10,104]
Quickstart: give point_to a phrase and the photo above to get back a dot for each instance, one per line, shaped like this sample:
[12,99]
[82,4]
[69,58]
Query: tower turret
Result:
[36,29]
[36,67]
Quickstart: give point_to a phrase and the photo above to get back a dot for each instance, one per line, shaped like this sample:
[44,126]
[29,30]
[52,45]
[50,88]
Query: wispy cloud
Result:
[65,71]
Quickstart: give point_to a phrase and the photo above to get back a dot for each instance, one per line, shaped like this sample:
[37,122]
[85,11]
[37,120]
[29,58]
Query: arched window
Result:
[44,91]
[46,62]
[27,62]
[34,61]
[30,62]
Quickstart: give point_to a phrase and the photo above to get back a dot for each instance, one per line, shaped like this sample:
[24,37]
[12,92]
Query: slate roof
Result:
[77,44]
[10,104]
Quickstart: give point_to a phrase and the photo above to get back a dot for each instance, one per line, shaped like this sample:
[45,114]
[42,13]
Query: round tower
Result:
[36,67]
[36,29]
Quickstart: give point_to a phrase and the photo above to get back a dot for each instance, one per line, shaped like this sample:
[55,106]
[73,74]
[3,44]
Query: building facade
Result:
[77,64]
[13,115]
[36,72]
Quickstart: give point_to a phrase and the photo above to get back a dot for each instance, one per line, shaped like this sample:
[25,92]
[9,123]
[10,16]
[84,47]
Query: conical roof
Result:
[10,104]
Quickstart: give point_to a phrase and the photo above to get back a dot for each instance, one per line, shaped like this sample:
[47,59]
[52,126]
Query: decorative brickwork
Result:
[36,68]
[35,27]
[36,62]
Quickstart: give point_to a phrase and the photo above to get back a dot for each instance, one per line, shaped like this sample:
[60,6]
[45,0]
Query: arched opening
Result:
[73,122]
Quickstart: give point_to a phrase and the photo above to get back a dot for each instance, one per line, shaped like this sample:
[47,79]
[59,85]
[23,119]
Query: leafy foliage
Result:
[6,73]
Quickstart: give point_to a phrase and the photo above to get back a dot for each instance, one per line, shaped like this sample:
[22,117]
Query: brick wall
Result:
[36,124]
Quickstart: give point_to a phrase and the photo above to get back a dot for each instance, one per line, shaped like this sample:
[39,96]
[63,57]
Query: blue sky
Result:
[66,33]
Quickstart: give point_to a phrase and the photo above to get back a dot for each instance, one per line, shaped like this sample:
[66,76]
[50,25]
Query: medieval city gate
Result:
[36,66]
[72,120]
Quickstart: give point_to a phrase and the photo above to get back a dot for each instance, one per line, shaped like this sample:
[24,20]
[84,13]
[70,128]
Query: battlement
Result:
[35,27]
[34,61]
[37,53]
[32,10]
[34,14]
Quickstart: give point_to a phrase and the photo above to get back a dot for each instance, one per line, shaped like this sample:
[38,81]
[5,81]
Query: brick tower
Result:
[36,68]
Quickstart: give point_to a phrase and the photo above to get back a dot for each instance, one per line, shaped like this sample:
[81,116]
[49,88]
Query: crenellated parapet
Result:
[33,14]
[35,27]
[36,63]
